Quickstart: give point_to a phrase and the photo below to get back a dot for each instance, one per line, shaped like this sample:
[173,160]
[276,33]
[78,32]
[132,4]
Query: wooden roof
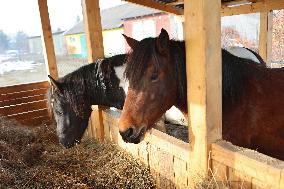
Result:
[229,7]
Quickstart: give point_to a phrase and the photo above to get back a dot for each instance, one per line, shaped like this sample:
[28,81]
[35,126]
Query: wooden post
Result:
[93,29]
[97,120]
[94,37]
[48,47]
[204,81]
[265,37]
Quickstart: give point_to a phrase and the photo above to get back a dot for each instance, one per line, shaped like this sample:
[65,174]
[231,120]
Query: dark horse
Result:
[252,95]
[71,96]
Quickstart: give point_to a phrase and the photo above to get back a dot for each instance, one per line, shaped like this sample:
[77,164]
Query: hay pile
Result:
[32,158]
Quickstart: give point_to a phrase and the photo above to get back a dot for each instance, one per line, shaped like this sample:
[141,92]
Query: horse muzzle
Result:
[132,135]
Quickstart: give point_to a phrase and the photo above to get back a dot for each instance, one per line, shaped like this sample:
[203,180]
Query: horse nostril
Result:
[127,134]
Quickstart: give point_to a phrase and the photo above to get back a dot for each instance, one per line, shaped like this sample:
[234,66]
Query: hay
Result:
[32,158]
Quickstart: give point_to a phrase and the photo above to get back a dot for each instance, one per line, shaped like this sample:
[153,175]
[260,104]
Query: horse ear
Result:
[162,42]
[130,41]
[55,83]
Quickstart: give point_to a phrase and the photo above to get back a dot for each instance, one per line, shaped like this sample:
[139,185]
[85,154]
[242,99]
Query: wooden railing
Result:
[26,103]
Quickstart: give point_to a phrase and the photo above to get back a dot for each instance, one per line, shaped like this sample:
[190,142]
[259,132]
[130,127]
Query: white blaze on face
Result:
[243,53]
[119,71]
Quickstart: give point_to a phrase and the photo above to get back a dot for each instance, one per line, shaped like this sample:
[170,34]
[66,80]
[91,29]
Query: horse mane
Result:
[138,60]
[81,86]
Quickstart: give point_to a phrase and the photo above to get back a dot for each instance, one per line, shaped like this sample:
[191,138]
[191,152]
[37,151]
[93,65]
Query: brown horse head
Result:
[153,82]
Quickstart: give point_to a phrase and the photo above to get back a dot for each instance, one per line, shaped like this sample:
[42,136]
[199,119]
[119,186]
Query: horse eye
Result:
[154,76]
[60,113]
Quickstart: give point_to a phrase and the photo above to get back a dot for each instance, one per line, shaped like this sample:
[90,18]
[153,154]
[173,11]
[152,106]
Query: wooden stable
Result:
[183,165]
[173,163]
[169,163]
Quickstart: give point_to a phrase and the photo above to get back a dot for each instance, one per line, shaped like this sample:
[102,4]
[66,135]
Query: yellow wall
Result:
[73,44]
[114,42]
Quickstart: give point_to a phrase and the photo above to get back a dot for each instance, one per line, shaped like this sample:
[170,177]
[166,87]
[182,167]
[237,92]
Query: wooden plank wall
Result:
[25,103]
[166,156]
[167,159]
[243,168]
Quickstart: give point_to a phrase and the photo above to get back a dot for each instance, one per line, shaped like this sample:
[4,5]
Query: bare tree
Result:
[4,42]
[278,36]
[231,37]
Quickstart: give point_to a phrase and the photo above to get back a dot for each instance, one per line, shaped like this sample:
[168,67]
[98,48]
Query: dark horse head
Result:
[252,95]
[71,96]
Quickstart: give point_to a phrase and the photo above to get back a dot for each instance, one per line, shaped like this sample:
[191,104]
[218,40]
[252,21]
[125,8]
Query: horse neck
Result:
[177,54]
[242,79]
[104,84]
[95,84]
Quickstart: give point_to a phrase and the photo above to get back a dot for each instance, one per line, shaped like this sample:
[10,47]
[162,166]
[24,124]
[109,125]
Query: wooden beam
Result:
[234,3]
[227,9]
[204,80]
[158,6]
[265,37]
[93,29]
[177,2]
[97,122]
[48,47]
[94,37]
[263,6]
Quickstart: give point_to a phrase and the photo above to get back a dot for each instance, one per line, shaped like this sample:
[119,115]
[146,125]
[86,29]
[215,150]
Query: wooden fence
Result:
[168,159]
[26,103]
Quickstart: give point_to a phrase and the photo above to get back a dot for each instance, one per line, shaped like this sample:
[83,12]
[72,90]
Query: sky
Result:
[23,15]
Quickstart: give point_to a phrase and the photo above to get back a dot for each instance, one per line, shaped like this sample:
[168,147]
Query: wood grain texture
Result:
[48,46]
[204,90]
[265,36]
[24,87]
[248,164]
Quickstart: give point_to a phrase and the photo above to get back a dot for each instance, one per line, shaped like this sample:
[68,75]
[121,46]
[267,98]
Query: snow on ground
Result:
[4,57]
[9,66]
[9,63]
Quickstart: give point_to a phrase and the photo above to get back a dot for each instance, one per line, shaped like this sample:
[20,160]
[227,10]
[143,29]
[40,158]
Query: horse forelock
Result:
[138,61]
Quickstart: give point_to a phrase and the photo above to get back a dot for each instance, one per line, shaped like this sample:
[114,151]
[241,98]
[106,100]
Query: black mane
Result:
[91,84]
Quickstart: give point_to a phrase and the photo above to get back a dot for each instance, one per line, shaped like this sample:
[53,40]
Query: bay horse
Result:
[252,95]
[71,96]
